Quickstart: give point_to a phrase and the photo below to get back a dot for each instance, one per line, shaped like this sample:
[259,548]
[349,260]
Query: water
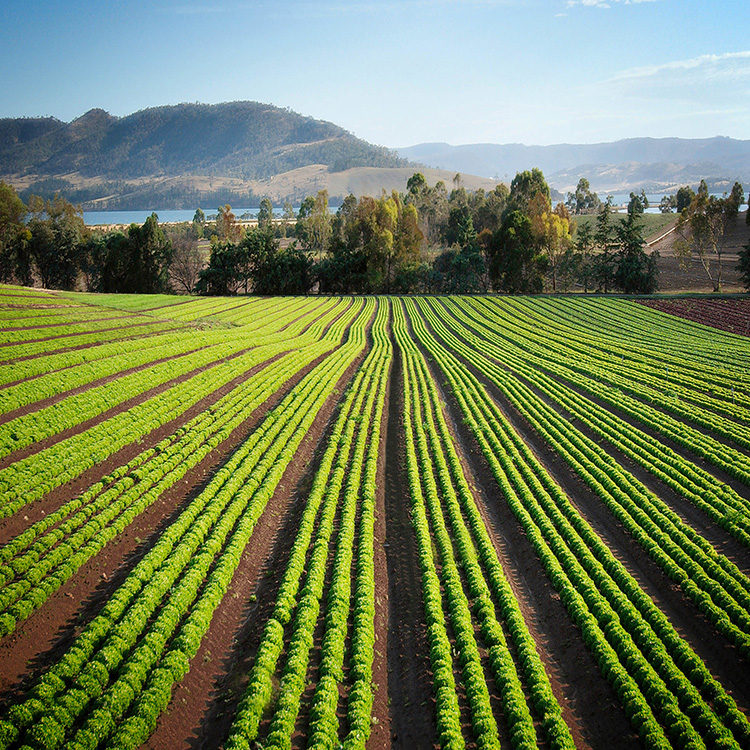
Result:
[92,218]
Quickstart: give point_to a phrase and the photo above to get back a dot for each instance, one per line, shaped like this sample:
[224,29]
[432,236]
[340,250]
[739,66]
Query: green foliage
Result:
[744,265]
[516,264]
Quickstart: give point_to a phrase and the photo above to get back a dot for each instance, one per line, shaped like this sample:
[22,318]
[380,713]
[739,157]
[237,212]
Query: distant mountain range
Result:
[654,164]
[190,155]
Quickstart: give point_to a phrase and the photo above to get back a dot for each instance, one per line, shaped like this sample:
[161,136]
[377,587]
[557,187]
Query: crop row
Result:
[662,684]
[45,346]
[344,480]
[682,379]
[435,474]
[201,352]
[32,477]
[716,586]
[671,352]
[719,501]
[117,678]
[725,457]
[632,382]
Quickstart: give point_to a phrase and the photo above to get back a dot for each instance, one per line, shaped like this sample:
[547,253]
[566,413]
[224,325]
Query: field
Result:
[482,522]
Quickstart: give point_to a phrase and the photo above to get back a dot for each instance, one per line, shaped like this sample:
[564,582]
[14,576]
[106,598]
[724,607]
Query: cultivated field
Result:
[373,522]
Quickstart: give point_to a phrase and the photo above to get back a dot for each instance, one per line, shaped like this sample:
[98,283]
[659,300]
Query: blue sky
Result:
[397,73]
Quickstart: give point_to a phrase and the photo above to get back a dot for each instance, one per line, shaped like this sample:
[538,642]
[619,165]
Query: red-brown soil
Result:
[727,314]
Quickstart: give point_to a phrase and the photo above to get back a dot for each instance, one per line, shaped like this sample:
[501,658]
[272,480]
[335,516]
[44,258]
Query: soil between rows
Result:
[204,703]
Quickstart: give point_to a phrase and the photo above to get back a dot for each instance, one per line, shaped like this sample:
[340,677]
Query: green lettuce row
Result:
[35,348]
[721,591]
[22,335]
[496,443]
[28,369]
[459,501]
[362,651]
[322,502]
[113,633]
[51,320]
[550,354]
[131,733]
[84,534]
[483,721]
[35,426]
[729,459]
[441,657]
[323,731]
[703,489]
[49,384]
[719,501]
[30,478]
[679,376]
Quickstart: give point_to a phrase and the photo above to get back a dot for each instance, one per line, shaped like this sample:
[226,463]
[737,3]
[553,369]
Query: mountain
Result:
[99,157]
[655,164]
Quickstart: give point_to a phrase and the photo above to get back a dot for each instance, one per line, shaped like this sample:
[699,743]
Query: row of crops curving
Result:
[462,522]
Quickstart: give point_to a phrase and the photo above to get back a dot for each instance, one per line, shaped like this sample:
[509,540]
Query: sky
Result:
[536,72]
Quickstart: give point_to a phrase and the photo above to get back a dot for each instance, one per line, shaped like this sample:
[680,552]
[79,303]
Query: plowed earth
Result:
[204,703]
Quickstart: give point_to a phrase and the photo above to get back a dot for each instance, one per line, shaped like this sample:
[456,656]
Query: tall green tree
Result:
[265,214]
[14,235]
[583,200]
[635,272]
[58,233]
[604,240]
[516,264]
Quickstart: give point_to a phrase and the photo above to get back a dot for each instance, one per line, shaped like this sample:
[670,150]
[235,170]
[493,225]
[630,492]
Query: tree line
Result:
[425,240]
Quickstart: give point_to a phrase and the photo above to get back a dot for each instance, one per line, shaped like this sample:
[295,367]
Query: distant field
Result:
[653,223]
[483,522]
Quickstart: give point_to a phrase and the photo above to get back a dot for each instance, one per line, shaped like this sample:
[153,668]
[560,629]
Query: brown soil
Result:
[590,707]
[731,315]
[413,724]
[204,703]
[49,631]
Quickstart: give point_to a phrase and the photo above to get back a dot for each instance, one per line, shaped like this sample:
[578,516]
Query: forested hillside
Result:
[98,155]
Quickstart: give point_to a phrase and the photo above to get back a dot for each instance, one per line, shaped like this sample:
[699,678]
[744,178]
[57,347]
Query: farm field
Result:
[481,522]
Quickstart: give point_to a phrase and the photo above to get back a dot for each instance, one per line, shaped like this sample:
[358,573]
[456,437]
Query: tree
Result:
[516,265]
[58,233]
[551,233]
[134,263]
[703,228]
[186,263]
[416,184]
[583,201]
[684,198]
[744,265]
[222,276]
[14,235]
[635,272]
[524,187]
[227,228]
[638,203]
[314,223]
[604,262]
[667,204]
[581,265]
[265,214]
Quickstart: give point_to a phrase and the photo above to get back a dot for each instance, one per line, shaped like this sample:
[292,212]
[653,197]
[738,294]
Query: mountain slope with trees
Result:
[98,155]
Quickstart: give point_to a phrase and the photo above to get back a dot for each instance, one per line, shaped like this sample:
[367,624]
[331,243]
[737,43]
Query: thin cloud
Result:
[606,3]
[729,65]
